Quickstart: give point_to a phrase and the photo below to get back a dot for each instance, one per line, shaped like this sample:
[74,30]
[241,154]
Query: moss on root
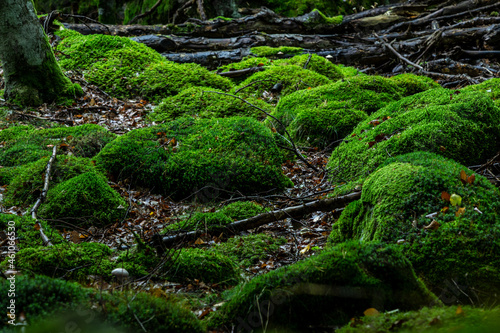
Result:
[394,205]
[84,200]
[460,126]
[326,289]
[199,102]
[198,155]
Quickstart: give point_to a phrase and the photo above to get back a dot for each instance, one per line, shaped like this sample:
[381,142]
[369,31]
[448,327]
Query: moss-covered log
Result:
[31,73]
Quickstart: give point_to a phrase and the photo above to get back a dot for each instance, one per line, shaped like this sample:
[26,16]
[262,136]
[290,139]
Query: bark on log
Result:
[273,216]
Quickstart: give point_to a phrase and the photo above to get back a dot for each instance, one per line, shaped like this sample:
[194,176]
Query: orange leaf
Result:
[471,179]
[463,177]
[460,311]
[460,211]
[445,196]
[371,312]
[199,241]
[445,210]
[36,226]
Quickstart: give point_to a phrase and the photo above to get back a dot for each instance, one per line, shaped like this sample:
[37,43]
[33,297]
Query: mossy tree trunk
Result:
[32,75]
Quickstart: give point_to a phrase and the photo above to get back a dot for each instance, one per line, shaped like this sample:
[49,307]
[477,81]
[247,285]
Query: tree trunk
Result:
[32,75]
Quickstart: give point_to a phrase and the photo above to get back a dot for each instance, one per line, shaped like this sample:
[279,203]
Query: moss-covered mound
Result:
[46,302]
[126,68]
[214,220]
[85,200]
[27,183]
[24,144]
[26,233]
[248,250]
[197,102]
[186,155]
[314,63]
[325,114]
[292,78]
[491,87]
[326,289]
[65,260]
[203,265]
[247,62]
[462,126]
[412,84]
[458,242]
[438,319]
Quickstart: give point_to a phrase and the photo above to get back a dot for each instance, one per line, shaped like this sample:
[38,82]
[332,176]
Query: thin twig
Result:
[295,150]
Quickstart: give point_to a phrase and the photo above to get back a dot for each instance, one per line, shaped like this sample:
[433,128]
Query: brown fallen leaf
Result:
[460,211]
[432,226]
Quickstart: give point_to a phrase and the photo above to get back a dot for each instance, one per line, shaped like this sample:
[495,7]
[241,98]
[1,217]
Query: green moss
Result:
[242,210]
[318,18]
[197,102]
[26,234]
[86,198]
[491,87]
[267,51]
[349,71]
[187,154]
[139,261]
[68,260]
[247,62]
[292,78]
[394,203]
[206,266]
[6,175]
[315,63]
[248,250]
[26,186]
[436,120]
[437,319]
[412,84]
[326,289]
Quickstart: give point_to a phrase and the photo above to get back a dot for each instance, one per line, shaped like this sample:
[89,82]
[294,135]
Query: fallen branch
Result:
[42,197]
[273,216]
[295,149]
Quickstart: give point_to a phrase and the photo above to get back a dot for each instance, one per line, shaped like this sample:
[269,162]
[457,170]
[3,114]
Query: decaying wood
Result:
[265,218]
[42,197]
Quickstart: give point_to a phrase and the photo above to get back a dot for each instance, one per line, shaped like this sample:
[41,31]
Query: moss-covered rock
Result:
[491,87]
[460,244]
[437,319]
[65,260]
[315,63]
[326,289]
[412,84]
[187,154]
[461,126]
[26,233]
[127,69]
[291,77]
[248,250]
[85,200]
[203,265]
[266,51]
[197,102]
[27,184]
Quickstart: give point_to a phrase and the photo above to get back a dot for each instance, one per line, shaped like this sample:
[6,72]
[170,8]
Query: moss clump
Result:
[291,77]
[349,71]
[86,198]
[197,102]
[316,17]
[247,62]
[26,186]
[394,203]
[187,154]
[248,250]
[138,261]
[436,120]
[491,87]
[315,63]
[242,210]
[267,51]
[26,233]
[412,84]
[203,265]
[438,319]
[68,260]
[326,289]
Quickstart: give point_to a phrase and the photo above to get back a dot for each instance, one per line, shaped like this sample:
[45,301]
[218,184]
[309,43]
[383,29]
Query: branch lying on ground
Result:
[295,150]
[42,197]
[275,215]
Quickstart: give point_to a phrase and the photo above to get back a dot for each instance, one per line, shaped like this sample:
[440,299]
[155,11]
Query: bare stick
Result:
[146,13]
[275,215]
[295,150]
[42,197]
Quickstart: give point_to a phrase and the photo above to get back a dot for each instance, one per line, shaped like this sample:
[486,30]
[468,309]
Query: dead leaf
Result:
[445,196]
[371,312]
[305,249]
[463,177]
[199,241]
[432,226]
[471,179]
[460,211]
[460,311]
